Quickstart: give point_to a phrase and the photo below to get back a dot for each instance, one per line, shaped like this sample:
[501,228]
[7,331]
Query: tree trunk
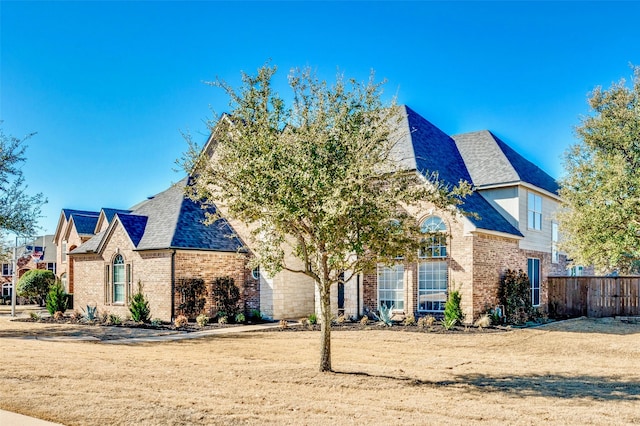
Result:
[325,327]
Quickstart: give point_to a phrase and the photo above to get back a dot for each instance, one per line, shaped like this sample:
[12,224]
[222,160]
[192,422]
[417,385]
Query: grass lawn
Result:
[573,372]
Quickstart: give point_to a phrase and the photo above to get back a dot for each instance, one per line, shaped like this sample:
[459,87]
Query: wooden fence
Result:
[594,296]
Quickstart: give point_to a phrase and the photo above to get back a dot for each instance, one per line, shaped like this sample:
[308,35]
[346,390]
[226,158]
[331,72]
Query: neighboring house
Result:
[39,253]
[157,243]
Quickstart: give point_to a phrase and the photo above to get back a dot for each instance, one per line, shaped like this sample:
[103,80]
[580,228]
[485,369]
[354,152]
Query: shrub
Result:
[193,296]
[56,298]
[180,321]
[255,315]
[341,319]
[91,312]
[313,319]
[76,316]
[156,322]
[283,324]
[36,316]
[483,321]
[426,321]
[240,318]
[448,323]
[139,306]
[223,319]
[409,320]
[364,320]
[304,321]
[452,310]
[226,296]
[515,296]
[36,283]
[385,315]
[114,319]
[202,320]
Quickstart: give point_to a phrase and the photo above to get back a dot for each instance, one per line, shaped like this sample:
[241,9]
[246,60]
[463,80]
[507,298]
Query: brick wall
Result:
[153,270]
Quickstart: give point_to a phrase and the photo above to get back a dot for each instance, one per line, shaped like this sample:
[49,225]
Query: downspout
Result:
[358,295]
[173,282]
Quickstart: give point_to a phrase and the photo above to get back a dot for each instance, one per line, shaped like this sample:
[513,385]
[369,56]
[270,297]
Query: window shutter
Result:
[107,286]
[129,274]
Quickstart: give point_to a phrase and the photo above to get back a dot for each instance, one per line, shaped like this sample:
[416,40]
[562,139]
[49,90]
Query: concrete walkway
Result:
[191,335]
[7,418]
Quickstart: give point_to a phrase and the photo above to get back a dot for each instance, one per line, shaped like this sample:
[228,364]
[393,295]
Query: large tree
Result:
[317,180]
[600,221]
[19,211]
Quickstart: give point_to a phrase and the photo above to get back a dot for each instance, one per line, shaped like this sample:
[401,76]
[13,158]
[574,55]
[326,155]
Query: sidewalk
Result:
[7,418]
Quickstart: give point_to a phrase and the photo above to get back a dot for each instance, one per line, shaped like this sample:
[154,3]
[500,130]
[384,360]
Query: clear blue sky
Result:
[108,86]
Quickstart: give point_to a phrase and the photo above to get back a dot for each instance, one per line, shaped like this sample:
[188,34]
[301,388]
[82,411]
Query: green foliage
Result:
[139,306]
[515,296]
[313,319]
[114,319]
[193,296]
[56,298]
[91,312]
[448,323]
[600,191]
[240,318]
[36,316]
[226,296]
[19,212]
[385,315]
[255,315]
[36,283]
[319,172]
[452,310]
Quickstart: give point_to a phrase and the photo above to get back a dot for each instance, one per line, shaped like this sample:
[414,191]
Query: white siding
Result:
[505,201]
[534,239]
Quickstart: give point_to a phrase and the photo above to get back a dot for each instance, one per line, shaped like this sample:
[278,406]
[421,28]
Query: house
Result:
[507,223]
[158,243]
[514,201]
[37,253]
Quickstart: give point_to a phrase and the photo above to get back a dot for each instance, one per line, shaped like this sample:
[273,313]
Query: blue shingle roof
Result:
[70,212]
[109,213]
[488,218]
[84,224]
[435,151]
[134,226]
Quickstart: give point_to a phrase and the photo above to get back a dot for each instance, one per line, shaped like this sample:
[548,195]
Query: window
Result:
[63,280]
[435,244]
[533,269]
[51,266]
[576,271]
[6,289]
[391,286]
[432,286]
[118,279]
[534,209]
[7,269]
[63,251]
[555,255]
[255,273]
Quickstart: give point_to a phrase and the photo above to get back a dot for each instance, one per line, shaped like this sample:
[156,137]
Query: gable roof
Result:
[70,212]
[66,215]
[168,220]
[85,224]
[491,161]
[435,151]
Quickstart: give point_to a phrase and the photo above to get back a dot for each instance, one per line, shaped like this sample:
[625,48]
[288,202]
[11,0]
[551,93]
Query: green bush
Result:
[139,306]
[56,298]
[202,320]
[313,319]
[515,296]
[452,311]
[255,315]
[226,296]
[36,283]
[240,318]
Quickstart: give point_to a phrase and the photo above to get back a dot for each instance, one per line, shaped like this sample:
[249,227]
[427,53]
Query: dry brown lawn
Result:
[574,372]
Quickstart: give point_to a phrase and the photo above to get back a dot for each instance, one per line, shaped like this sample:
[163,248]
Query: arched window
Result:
[433,270]
[118,279]
[435,242]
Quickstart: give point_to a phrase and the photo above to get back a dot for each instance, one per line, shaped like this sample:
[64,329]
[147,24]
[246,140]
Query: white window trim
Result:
[539,281]
[399,293]
[532,210]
